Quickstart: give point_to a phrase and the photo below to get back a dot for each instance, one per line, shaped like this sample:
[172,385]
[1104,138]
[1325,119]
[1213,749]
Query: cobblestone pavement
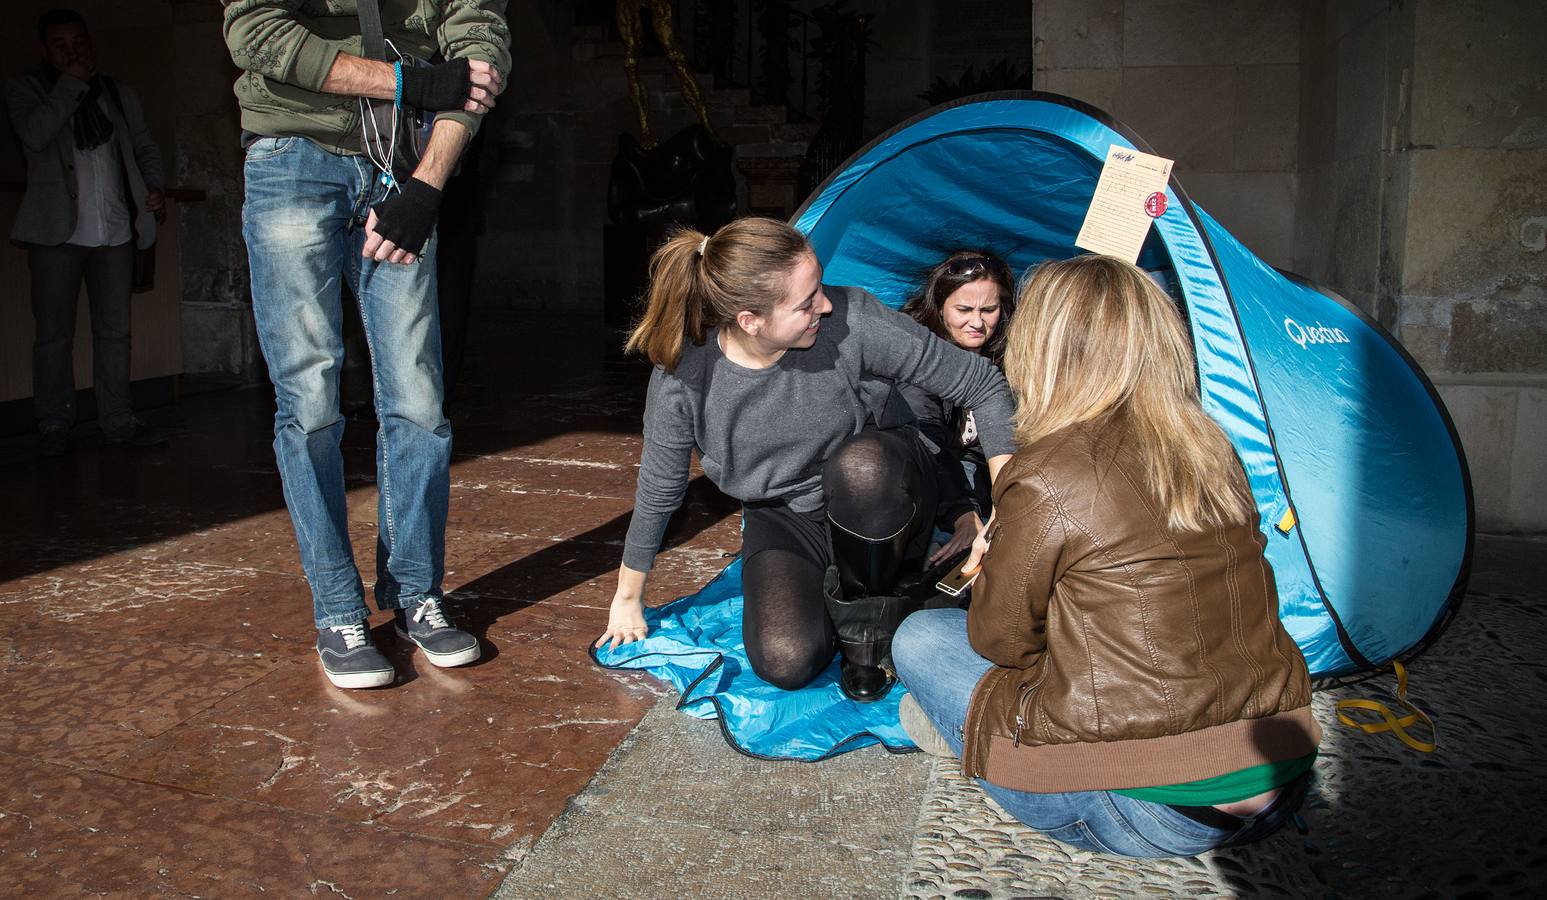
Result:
[676,812]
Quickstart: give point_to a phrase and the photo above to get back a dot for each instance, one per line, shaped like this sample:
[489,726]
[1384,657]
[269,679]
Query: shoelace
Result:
[354,635]
[429,609]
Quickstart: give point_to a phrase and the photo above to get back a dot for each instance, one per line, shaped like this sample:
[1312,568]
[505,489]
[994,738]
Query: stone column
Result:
[1423,198]
[219,340]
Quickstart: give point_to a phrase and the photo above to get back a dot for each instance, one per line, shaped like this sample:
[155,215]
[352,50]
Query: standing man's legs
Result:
[56,285]
[303,221]
[109,280]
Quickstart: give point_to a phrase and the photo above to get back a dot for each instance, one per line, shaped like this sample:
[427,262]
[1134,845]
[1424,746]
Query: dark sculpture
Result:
[688,180]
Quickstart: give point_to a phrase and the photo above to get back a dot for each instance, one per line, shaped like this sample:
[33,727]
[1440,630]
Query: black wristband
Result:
[408,217]
[437,88]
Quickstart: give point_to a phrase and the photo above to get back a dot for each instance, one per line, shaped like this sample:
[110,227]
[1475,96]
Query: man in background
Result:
[94,195]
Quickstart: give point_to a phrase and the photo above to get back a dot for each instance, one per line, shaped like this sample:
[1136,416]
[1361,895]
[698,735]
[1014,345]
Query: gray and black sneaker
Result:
[54,440]
[137,433]
[426,625]
[350,659]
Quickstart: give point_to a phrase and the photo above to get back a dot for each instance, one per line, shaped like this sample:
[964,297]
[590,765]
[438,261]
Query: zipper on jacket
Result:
[1020,707]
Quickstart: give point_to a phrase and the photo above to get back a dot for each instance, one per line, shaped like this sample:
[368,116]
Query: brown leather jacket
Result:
[1126,654]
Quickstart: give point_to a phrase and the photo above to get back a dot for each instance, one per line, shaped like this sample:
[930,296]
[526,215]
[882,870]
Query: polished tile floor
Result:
[166,728]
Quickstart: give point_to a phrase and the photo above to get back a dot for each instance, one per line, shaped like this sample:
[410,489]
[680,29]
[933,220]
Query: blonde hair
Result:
[1093,337]
[698,281]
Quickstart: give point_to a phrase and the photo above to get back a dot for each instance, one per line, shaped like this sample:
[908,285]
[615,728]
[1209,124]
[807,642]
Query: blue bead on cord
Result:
[397,94]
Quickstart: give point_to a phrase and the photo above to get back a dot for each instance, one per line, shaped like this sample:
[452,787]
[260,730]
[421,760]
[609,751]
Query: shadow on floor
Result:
[528,383]
[570,563]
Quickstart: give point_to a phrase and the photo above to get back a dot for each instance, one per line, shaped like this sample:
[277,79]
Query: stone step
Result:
[763,115]
[732,98]
[770,150]
[797,135]
[739,134]
[796,132]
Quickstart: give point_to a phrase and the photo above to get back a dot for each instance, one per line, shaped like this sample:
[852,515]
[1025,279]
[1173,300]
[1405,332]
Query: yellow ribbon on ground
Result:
[1391,721]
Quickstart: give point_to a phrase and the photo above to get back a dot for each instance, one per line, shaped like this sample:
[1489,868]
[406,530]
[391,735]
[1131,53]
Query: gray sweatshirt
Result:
[763,434]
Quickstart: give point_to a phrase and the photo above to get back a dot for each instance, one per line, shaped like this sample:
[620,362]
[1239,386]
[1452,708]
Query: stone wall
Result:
[1214,86]
[1423,198]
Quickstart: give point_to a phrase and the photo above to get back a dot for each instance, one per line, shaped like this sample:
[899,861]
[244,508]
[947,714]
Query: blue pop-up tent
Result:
[1352,457]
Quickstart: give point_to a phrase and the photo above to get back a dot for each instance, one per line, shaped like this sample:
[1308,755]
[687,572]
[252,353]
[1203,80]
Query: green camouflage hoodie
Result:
[286,47]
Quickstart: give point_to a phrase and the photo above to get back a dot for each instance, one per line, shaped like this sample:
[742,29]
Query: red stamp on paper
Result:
[1155,205]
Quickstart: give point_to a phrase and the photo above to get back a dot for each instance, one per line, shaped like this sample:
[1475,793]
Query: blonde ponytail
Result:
[674,306]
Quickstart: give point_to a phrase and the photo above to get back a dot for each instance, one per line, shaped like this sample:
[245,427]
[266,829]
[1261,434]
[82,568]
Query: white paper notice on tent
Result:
[1130,195]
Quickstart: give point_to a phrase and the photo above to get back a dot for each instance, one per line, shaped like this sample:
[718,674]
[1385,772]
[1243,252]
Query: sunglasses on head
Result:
[968,265]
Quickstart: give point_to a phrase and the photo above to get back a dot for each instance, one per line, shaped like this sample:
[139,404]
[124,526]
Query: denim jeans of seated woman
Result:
[304,222]
[940,668]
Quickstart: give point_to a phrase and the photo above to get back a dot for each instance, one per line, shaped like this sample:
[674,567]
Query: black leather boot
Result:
[865,625]
[866,605]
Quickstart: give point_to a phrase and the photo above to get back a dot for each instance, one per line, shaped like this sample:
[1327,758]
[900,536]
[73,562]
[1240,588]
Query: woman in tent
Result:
[967,299]
[784,387]
[1122,681]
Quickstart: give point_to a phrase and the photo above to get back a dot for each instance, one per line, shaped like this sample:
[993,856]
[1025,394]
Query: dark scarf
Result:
[92,126]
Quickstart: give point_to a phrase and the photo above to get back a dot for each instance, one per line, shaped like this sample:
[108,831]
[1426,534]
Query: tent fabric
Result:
[695,645]
[1330,417]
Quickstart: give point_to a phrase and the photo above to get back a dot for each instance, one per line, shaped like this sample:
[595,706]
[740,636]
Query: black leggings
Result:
[876,484]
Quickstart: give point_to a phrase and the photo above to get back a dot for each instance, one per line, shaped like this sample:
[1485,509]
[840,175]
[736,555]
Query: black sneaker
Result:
[139,433]
[427,627]
[54,441]
[350,659]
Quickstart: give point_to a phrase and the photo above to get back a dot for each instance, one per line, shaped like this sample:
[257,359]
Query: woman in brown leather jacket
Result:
[1121,682]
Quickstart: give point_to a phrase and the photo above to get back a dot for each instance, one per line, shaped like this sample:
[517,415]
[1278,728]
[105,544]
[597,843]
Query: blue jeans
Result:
[304,223]
[940,668]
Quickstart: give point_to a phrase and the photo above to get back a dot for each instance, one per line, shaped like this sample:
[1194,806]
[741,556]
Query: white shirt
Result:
[101,215]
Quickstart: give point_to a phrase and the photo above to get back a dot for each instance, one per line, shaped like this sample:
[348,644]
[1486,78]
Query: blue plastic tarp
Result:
[695,645]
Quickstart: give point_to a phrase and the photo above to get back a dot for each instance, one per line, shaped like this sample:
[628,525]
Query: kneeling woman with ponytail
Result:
[1122,681]
[784,388]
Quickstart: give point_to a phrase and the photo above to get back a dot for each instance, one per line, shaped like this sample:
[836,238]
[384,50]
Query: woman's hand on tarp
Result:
[626,619]
[967,526]
[625,623]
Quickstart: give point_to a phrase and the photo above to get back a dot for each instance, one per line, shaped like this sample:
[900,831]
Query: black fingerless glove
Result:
[407,217]
[438,88]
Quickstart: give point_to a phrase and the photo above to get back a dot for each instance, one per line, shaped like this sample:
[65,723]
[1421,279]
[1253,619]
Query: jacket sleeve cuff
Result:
[312,61]
[638,559]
